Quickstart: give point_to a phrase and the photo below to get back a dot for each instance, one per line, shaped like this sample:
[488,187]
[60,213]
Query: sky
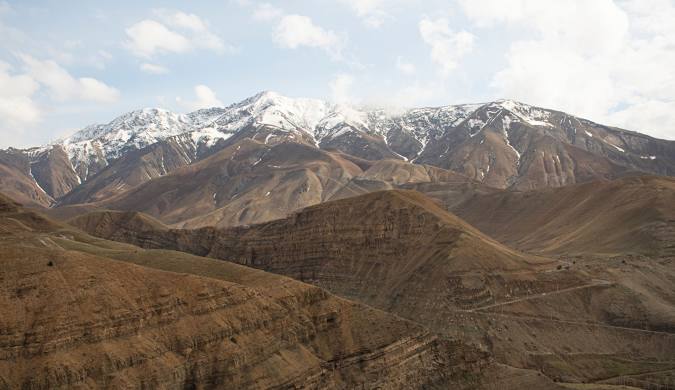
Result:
[68,64]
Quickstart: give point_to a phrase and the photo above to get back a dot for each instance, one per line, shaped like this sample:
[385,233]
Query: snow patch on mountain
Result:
[531,115]
[506,125]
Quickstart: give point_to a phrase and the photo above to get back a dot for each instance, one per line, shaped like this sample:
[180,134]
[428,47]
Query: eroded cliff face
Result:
[89,313]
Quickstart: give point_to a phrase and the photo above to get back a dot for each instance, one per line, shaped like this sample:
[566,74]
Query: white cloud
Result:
[96,91]
[605,60]
[586,26]
[17,107]
[149,37]
[447,47]
[266,12]
[341,88]
[181,19]
[371,12]
[549,76]
[653,117]
[413,94]
[294,31]
[63,86]
[404,66]
[153,68]
[206,98]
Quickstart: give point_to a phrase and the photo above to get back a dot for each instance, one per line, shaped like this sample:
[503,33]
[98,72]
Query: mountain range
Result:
[295,243]
[501,144]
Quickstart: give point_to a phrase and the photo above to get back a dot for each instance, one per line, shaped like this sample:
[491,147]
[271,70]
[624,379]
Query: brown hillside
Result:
[397,250]
[89,313]
[630,215]
[250,182]
[244,183]
[582,320]
[132,169]
[114,224]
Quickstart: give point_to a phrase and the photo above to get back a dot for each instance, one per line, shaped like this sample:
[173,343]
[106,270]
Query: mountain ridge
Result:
[504,143]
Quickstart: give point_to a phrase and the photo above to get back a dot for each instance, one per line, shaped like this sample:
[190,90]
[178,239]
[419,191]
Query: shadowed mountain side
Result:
[629,215]
[80,311]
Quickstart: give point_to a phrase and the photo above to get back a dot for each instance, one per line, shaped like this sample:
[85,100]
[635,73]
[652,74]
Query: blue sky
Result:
[64,65]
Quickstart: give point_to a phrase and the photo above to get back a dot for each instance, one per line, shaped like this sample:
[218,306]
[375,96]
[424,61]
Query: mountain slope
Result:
[134,168]
[629,215]
[85,312]
[252,182]
[510,144]
[575,320]
[242,183]
[392,249]
[503,144]
[51,169]
[16,179]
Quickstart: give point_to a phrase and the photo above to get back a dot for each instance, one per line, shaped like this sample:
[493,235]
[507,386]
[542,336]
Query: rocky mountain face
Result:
[81,312]
[17,180]
[573,319]
[511,145]
[503,144]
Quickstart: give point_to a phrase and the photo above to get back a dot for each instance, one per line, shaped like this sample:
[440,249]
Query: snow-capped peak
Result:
[533,116]
[96,145]
[274,109]
[155,121]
